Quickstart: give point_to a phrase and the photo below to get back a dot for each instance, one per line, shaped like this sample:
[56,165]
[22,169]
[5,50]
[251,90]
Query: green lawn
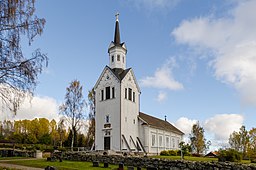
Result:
[10,158]
[76,165]
[65,165]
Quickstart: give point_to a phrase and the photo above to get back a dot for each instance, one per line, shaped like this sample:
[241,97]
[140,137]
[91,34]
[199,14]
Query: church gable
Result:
[107,76]
[130,79]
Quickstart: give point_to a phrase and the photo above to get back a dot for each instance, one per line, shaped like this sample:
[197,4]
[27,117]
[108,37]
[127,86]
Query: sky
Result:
[193,60]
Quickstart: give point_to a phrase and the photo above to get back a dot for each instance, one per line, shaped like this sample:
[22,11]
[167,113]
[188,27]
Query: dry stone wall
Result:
[145,162]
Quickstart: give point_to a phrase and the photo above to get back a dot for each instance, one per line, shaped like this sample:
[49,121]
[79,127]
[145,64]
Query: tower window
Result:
[130,94]
[107,93]
[107,118]
[113,92]
[133,97]
[102,95]
[125,93]
[118,57]
[112,58]
[123,59]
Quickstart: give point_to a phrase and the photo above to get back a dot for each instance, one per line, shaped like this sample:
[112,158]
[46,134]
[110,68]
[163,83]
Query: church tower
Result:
[119,124]
[116,101]
[117,50]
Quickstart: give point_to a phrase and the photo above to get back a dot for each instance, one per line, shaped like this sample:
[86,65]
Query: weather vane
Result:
[117,14]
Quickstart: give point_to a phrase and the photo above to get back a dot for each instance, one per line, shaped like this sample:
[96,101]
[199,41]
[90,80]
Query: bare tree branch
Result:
[18,74]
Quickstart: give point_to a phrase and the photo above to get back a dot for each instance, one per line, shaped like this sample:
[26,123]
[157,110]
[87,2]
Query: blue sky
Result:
[194,60]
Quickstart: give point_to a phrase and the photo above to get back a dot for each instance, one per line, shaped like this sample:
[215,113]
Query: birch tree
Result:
[74,107]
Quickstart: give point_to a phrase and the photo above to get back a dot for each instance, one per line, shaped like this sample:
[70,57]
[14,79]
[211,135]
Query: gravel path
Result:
[6,165]
[20,167]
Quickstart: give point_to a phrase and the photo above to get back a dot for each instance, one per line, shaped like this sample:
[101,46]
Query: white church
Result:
[119,124]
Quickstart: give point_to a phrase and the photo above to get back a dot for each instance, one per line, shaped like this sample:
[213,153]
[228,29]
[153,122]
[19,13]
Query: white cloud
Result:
[217,128]
[153,4]
[185,124]
[232,40]
[222,125]
[163,78]
[161,96]
[38,107]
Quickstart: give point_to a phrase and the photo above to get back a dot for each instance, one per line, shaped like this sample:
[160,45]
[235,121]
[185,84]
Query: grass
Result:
[4,168]
[65,165]
[76,165]
[10,158]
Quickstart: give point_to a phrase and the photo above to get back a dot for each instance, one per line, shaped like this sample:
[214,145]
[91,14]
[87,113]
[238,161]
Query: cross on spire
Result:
[117,15]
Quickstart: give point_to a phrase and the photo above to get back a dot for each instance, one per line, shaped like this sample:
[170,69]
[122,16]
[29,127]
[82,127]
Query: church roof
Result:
[159,123]
[117,39]
[119,73]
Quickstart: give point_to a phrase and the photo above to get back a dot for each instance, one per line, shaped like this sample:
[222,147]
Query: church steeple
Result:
[117,50]
[117,33]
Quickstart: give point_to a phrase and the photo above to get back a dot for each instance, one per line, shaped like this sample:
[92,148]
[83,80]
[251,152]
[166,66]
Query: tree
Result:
[33,134]
[72,136]
[61,131]
[234,141]
[54,132]
[185,149]
[252,144]
[198,142]
[74,107]
[18,74]
[240,140]
[80,140]
[43,127]
[90,136]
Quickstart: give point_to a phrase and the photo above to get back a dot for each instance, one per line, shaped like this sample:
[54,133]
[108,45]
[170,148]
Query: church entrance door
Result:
[106,143]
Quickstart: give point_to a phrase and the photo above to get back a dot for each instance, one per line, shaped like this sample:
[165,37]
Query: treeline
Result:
[40,131]
[244,141]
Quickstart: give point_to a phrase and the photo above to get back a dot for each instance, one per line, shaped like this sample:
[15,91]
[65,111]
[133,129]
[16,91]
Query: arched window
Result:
[118,57]
[112,58]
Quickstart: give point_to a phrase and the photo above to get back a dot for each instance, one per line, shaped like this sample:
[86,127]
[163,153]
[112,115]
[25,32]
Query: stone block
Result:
[152,168]
[50,168]
[130,168]
[105,165]
[95,164]
[121,166]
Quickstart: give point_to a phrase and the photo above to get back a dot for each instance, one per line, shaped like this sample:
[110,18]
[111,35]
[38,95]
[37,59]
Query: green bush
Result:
[229,155]
[173,152]
[170,153]
[164,153]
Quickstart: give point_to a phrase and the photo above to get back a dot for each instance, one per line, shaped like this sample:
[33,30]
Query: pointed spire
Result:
[117,40]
